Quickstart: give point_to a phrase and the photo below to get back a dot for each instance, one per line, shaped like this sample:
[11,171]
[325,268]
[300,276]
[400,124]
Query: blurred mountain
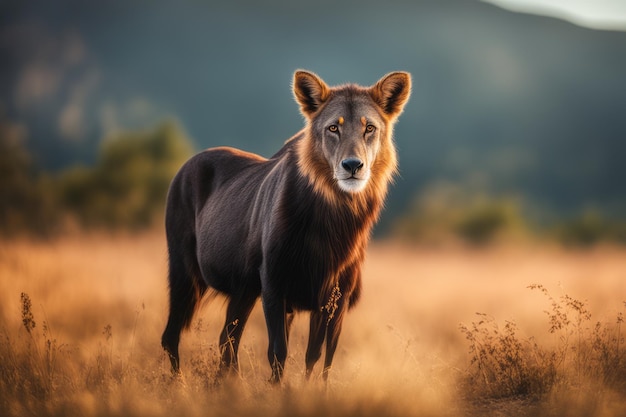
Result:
[505,102]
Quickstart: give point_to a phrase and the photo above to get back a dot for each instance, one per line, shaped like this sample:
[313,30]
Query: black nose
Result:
[352,165]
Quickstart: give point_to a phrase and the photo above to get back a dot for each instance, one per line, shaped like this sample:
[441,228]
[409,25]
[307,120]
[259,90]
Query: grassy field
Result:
[81,319]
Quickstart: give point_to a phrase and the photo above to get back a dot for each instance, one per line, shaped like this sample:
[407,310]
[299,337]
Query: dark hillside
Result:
[502,101]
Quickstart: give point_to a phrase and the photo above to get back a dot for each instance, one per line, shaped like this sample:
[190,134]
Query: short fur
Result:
[292,229]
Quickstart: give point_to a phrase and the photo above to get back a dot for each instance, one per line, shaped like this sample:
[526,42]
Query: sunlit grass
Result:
[81,318]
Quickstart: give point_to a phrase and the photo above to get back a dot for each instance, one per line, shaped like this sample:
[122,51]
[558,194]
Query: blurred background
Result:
[516,126]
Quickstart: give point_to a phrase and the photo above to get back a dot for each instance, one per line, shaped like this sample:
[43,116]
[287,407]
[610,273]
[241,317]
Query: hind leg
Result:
[183,298]
[237,315]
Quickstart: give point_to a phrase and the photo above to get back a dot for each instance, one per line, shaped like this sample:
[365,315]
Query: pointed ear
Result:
[392,92]
[310,91]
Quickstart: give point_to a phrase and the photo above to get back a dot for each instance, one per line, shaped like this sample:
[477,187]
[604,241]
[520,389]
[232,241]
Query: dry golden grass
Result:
[99,307]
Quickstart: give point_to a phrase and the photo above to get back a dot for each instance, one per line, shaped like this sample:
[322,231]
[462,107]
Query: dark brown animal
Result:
[292,229]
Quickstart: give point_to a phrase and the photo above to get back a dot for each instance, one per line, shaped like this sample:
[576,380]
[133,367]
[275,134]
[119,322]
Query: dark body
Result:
[281,228]
[263,228]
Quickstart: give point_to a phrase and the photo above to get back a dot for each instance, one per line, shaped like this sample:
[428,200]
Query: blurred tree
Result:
[445,211]
[128,185]
[590,228]
[25,201]
[484,220]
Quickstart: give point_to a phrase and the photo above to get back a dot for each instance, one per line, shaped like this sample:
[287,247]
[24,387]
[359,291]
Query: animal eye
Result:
[370,128]
[333,128]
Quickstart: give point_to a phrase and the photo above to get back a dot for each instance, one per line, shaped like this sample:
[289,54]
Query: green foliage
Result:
[128,185]
[446,211]
[484,220]
[125,189]
[26,201]
[590,228]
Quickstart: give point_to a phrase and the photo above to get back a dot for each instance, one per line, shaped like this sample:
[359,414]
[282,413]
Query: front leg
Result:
[323,326]
[339,300]
[333,330]
[332,338]
[317,332]
[275,318]
[326,324]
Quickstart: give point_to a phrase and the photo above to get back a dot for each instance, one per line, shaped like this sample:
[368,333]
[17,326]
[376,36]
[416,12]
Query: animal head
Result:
[348,147]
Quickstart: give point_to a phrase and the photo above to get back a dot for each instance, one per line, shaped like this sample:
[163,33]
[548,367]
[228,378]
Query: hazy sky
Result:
[598,14]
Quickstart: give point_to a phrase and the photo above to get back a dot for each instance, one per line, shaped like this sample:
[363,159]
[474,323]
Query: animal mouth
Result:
[352,178]
[352,184]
